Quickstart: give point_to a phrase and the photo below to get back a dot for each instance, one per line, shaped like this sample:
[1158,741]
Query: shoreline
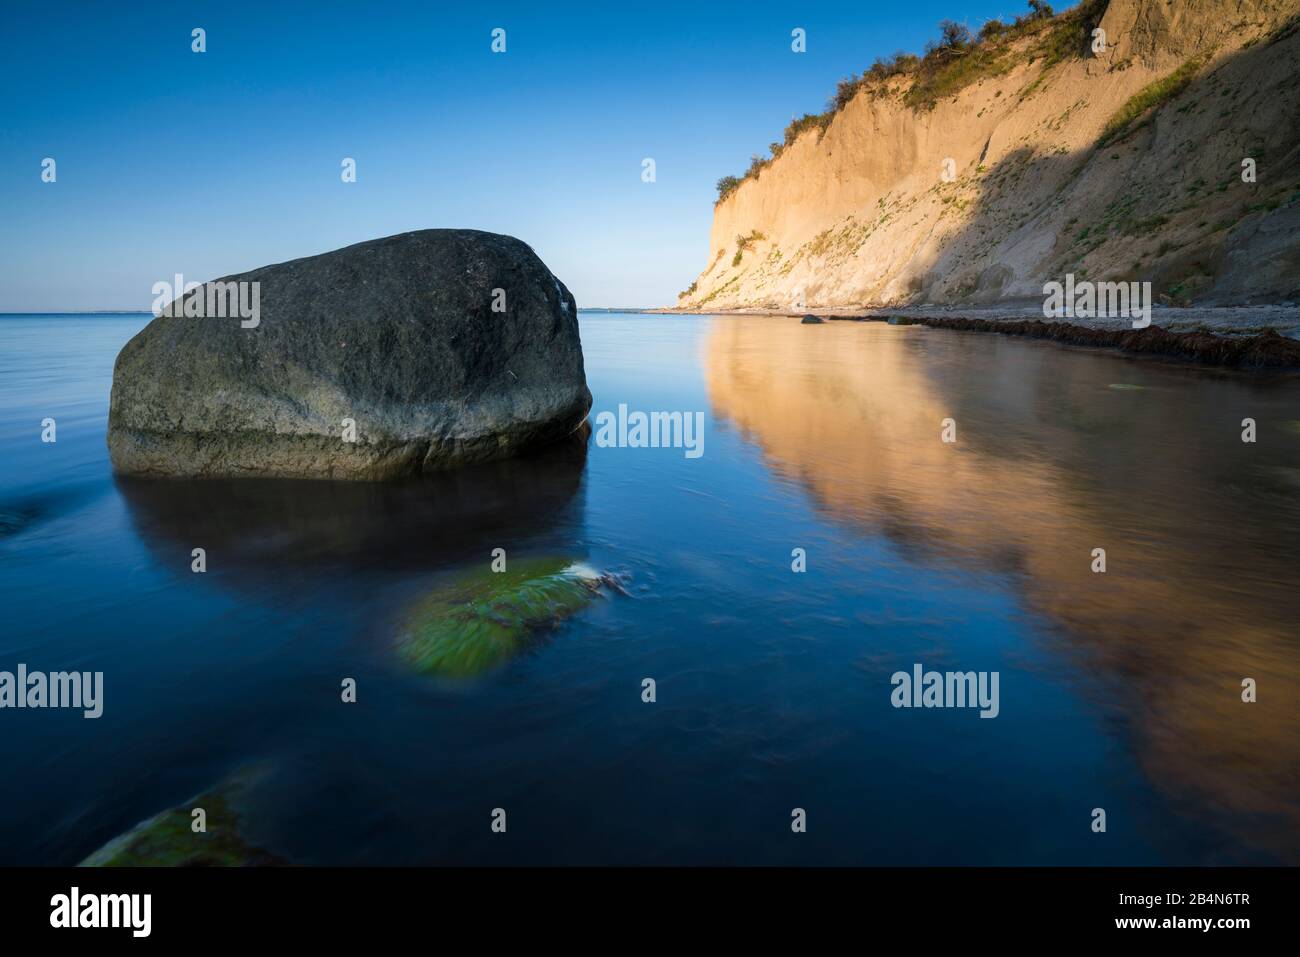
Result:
[1237,337]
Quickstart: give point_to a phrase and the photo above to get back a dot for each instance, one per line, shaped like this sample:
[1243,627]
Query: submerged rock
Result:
[13,520]
[483,619]
[398,356]
[811,320]
[19,515]
[169,840]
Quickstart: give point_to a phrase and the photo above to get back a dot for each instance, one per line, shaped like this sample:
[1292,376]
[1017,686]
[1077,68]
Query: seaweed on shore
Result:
[1264,350]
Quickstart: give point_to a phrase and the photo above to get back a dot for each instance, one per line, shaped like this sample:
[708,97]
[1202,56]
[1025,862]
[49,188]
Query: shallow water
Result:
[1119,691]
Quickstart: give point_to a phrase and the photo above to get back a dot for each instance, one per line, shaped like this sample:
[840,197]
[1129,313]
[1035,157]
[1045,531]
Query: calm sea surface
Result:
[1119,691]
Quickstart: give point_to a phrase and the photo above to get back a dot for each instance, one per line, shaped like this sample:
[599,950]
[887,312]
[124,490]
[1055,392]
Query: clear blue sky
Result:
[209,164]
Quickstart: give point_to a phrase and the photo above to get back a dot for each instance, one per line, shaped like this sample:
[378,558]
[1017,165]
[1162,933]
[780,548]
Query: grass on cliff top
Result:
[958,59]
[1148,99]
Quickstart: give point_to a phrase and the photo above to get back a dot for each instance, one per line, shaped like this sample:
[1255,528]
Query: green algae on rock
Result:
[484,618]
[169,840]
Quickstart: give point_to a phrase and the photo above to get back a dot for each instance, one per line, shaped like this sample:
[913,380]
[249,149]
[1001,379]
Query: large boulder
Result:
[410,354]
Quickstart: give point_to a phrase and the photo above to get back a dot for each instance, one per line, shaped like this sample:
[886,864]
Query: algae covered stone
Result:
[169,839]
[484,618]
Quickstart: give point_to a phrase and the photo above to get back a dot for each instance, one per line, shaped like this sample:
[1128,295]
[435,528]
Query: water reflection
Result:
[1201,530]
[259,532]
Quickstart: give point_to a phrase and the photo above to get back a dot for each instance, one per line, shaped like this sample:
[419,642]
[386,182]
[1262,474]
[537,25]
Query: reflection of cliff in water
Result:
[1202,531]
[260,532]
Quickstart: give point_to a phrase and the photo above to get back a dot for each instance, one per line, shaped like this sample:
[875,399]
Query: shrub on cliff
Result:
[1038,10]
[954,36]
[991,30]
[726,186]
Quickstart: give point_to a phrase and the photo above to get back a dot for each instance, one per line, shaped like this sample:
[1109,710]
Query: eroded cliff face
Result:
[1045,177]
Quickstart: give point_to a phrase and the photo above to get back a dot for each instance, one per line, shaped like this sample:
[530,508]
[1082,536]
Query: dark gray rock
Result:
[398,335]
[810,320]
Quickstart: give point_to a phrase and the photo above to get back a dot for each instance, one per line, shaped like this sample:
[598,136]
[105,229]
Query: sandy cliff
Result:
[1125,164]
